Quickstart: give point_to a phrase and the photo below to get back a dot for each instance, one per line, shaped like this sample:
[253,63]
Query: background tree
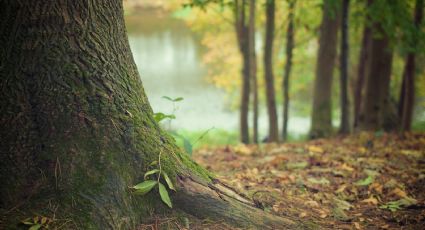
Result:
[361,72]
[321,123]
[377,110]
[288,66]
[273,135]
[78,131]
[407,95]
[345,113]
[242,38]
[253,68]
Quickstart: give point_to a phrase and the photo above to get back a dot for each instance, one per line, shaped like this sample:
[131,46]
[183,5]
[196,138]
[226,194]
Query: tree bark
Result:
[321,124]
[242,38]
[407,95]
[288,66]
[78,130]
[253,68]
[345,114]
[362,70]
[376,102]
[268,72]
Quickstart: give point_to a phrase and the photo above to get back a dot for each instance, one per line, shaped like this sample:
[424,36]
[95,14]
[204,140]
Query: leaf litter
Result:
[361,181]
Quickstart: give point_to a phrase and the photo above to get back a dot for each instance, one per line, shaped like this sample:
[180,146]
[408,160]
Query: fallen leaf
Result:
[357,225]
[315,149]
[371,200]
[398,192]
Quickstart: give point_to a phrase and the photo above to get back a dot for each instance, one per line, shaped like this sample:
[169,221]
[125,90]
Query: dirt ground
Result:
[365,181]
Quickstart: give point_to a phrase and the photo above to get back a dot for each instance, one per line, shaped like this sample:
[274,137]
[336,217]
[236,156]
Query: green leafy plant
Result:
[399,204]
[147,185]
[37,222]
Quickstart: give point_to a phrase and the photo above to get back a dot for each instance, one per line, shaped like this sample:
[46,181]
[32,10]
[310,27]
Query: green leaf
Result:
[367,181]
[164,195]
[153,163]
[167,179]
[168,98]
[187,146]
[35,227]
[173,100]
[161,116]
[27,221]
[145,187]
[150,173]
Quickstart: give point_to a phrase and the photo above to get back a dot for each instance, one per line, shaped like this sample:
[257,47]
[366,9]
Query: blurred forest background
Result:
[267,71]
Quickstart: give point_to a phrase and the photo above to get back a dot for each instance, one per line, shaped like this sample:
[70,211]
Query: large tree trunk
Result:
[345,113]
[376,105]
[253,69]
[288,66]
[242,38]
[77,128]
[362,70]
[321,123]
[268,72]
[407,95]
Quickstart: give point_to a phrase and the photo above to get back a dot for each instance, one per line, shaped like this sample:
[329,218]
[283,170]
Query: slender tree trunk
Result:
[321,124]
[407,95]
[288,66]
[345,114]
[362,70]
[78,131]
[242,38]
[253,68]
[376,101]
[268,67]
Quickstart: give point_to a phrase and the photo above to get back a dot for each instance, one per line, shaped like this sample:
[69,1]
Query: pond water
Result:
[168,56]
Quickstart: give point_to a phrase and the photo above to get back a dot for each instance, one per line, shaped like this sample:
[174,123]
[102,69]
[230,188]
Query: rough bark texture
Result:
[407,95]
[362,70]
[242,38]
[321,124]
[77,128]
[268,72]
[345,113]
[253,69]
[288,66]
[376,105]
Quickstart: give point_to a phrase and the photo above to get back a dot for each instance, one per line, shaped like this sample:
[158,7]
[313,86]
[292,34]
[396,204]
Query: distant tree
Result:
[376,99]
[288,66]
[321,120]
[361,72]
[273,135]
[242,38]
[407,95]
[345,113]
[77,129]
[253,68]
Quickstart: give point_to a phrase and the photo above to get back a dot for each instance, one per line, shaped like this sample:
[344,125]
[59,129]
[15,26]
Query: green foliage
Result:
[37,222]
[364,182]
[147,185]
[161,116]
[164,195]
[399,204]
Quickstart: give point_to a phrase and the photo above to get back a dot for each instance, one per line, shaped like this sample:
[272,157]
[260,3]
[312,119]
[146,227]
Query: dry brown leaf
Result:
[315,149]
[371,200]
[346,167]
[377,187]
[341,188]
[357,225]
[398,192]
[303,214]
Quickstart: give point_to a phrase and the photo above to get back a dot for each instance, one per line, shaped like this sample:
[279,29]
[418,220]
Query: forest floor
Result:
[365,181]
